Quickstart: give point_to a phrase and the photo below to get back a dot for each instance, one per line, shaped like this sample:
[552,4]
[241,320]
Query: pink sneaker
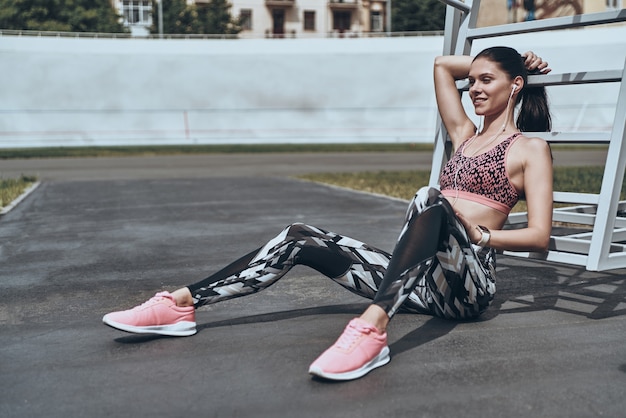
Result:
[360,349]
[159,315]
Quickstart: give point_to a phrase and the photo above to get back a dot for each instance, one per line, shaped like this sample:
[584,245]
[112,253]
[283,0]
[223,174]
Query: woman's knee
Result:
[299,229]
[295,228]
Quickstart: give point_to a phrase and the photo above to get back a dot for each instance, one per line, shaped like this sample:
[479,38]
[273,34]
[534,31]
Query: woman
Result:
[443,263]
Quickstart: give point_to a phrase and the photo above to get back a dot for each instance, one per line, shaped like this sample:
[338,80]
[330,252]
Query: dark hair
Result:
[534,114]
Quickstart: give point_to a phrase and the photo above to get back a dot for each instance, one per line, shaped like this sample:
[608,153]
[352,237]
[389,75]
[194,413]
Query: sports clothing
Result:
[482,178]
[434,268]
[159,315]
[360,349]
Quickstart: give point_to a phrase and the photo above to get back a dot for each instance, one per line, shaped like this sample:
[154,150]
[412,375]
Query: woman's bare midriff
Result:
[479,214]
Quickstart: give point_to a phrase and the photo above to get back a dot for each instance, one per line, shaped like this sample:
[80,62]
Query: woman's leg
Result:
[434,268]
[411,260]
[351,263]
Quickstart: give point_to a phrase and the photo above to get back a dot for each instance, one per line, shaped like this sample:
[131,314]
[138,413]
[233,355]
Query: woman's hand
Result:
[534,64]
[472,232]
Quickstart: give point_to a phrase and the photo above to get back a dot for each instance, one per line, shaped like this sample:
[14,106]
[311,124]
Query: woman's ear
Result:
[518,83]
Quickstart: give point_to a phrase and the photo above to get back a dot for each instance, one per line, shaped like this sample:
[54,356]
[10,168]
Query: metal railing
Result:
[100,35]
[95,35]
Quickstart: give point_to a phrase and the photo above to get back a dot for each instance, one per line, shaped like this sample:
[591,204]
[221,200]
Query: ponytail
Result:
[534,114]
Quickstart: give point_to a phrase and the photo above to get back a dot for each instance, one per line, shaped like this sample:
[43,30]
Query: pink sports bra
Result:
[482,178]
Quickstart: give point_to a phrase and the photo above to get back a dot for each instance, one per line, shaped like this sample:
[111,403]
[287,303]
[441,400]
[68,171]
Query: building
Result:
[280,18]
[309,18]
[345,18]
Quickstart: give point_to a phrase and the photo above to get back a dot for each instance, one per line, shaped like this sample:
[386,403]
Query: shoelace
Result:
[351,335]
[153,300]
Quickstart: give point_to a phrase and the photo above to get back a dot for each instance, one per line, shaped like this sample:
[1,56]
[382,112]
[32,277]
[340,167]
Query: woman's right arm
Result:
[447,70]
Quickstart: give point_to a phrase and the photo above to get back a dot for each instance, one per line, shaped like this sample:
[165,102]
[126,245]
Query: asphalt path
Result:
[105,234]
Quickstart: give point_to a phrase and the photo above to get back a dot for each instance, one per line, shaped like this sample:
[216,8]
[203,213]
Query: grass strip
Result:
[150,150]
[404,184]
[11,189]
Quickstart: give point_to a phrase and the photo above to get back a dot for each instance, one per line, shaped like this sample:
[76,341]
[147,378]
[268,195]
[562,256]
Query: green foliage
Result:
[417,15]
[205,18]
[215,17]
[173,12]
[60,15]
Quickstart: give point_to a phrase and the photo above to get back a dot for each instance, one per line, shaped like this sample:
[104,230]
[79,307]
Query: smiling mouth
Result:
[478,101]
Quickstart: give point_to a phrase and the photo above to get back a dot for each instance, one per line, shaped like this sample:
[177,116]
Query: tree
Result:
[206,18]
[215,17]
[92,16]
[417,15]
[60,15]
[175,17]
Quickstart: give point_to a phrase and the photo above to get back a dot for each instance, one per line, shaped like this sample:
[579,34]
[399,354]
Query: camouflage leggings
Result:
[434,268]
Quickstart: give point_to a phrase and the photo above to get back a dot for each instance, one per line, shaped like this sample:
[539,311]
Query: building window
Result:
[309,20]
[245,17]
[147,11]
[342,21]
[614,4]
[137,12]
[376,22]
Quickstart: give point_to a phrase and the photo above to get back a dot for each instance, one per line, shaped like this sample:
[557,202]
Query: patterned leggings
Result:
[434,268]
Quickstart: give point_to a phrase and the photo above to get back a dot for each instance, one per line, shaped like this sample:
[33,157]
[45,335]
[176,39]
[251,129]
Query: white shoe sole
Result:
[179,329]
[380,360]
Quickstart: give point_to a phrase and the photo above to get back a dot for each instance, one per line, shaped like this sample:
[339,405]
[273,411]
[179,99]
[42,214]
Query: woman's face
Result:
[490,87]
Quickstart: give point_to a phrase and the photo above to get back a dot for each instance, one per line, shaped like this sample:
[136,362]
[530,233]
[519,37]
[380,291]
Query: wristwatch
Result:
[486,235]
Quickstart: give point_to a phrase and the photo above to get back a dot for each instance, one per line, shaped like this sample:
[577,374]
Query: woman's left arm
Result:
[537,174]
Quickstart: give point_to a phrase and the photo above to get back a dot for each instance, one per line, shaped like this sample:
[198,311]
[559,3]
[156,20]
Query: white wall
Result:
[73,91]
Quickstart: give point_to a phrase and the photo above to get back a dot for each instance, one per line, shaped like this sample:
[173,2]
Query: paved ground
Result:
[552,345]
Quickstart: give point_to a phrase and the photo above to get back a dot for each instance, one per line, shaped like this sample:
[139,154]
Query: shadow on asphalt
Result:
[593,295]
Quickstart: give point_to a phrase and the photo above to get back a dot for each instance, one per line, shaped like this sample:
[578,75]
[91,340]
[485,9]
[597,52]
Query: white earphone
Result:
[515,87]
